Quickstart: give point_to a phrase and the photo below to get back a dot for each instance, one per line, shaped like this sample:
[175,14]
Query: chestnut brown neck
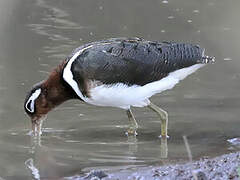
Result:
[56,89]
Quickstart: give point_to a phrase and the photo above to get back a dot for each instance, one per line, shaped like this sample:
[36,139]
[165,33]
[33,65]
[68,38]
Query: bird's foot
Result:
[164,136]
[131,132]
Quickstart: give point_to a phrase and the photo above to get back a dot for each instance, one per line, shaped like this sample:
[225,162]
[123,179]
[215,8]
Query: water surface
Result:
[37,35]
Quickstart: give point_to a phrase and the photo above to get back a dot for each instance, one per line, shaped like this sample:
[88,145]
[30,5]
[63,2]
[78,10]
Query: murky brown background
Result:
[36,35]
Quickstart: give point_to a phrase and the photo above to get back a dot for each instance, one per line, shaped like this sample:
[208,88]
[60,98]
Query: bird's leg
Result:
[132,144]
[163,117]
[132,130]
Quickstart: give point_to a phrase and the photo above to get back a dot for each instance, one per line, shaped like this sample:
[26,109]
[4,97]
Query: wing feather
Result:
[133,61]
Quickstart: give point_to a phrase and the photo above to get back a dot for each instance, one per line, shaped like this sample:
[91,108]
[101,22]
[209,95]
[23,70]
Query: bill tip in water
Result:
[37,126]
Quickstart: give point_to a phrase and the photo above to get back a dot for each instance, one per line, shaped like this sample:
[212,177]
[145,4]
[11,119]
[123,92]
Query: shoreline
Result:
[226,166]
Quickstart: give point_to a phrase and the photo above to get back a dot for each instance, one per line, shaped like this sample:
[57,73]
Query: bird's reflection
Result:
[29,163]
[164,148]
[132,142]
[42,163]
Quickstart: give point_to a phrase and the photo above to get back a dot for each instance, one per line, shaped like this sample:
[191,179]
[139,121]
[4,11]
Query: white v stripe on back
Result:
[67,73]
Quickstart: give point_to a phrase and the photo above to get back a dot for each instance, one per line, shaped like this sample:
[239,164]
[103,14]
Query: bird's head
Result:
[45,96]
[37,105]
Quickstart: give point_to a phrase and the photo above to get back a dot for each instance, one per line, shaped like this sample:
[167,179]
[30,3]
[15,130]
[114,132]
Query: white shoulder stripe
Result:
[67,73]
[31,100]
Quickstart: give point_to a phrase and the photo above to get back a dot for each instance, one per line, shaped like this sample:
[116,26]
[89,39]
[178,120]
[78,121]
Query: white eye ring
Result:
[32,99]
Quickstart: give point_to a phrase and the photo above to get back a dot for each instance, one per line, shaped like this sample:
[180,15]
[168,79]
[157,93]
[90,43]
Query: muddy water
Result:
[36,35]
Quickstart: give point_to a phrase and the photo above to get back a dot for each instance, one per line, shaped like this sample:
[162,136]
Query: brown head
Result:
[45,96]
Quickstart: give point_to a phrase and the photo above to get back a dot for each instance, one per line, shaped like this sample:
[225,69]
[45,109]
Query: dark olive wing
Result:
[133,61]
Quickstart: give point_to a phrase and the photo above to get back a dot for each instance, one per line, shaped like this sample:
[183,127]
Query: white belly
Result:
[123,96]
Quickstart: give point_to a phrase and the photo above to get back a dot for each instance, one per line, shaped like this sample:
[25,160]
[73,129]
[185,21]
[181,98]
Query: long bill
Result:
[37,126]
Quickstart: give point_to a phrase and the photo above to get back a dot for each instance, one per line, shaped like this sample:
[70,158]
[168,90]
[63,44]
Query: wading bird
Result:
[118,72]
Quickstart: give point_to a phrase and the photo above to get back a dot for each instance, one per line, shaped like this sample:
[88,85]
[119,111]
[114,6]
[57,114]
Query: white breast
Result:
[123,96]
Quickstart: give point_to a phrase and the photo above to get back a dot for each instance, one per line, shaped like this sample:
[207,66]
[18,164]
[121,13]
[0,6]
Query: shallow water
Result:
[36,35]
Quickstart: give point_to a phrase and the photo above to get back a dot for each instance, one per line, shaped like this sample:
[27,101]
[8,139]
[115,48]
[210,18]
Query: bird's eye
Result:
[45,92]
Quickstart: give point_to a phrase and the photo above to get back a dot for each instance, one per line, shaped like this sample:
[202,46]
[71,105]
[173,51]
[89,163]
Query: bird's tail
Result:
[207,59]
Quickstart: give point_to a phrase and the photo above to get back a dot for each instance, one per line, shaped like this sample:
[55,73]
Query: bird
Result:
[116,72]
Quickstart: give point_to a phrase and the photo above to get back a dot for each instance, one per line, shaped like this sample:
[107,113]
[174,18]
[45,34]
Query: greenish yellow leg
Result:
[132,130]
[163,117]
